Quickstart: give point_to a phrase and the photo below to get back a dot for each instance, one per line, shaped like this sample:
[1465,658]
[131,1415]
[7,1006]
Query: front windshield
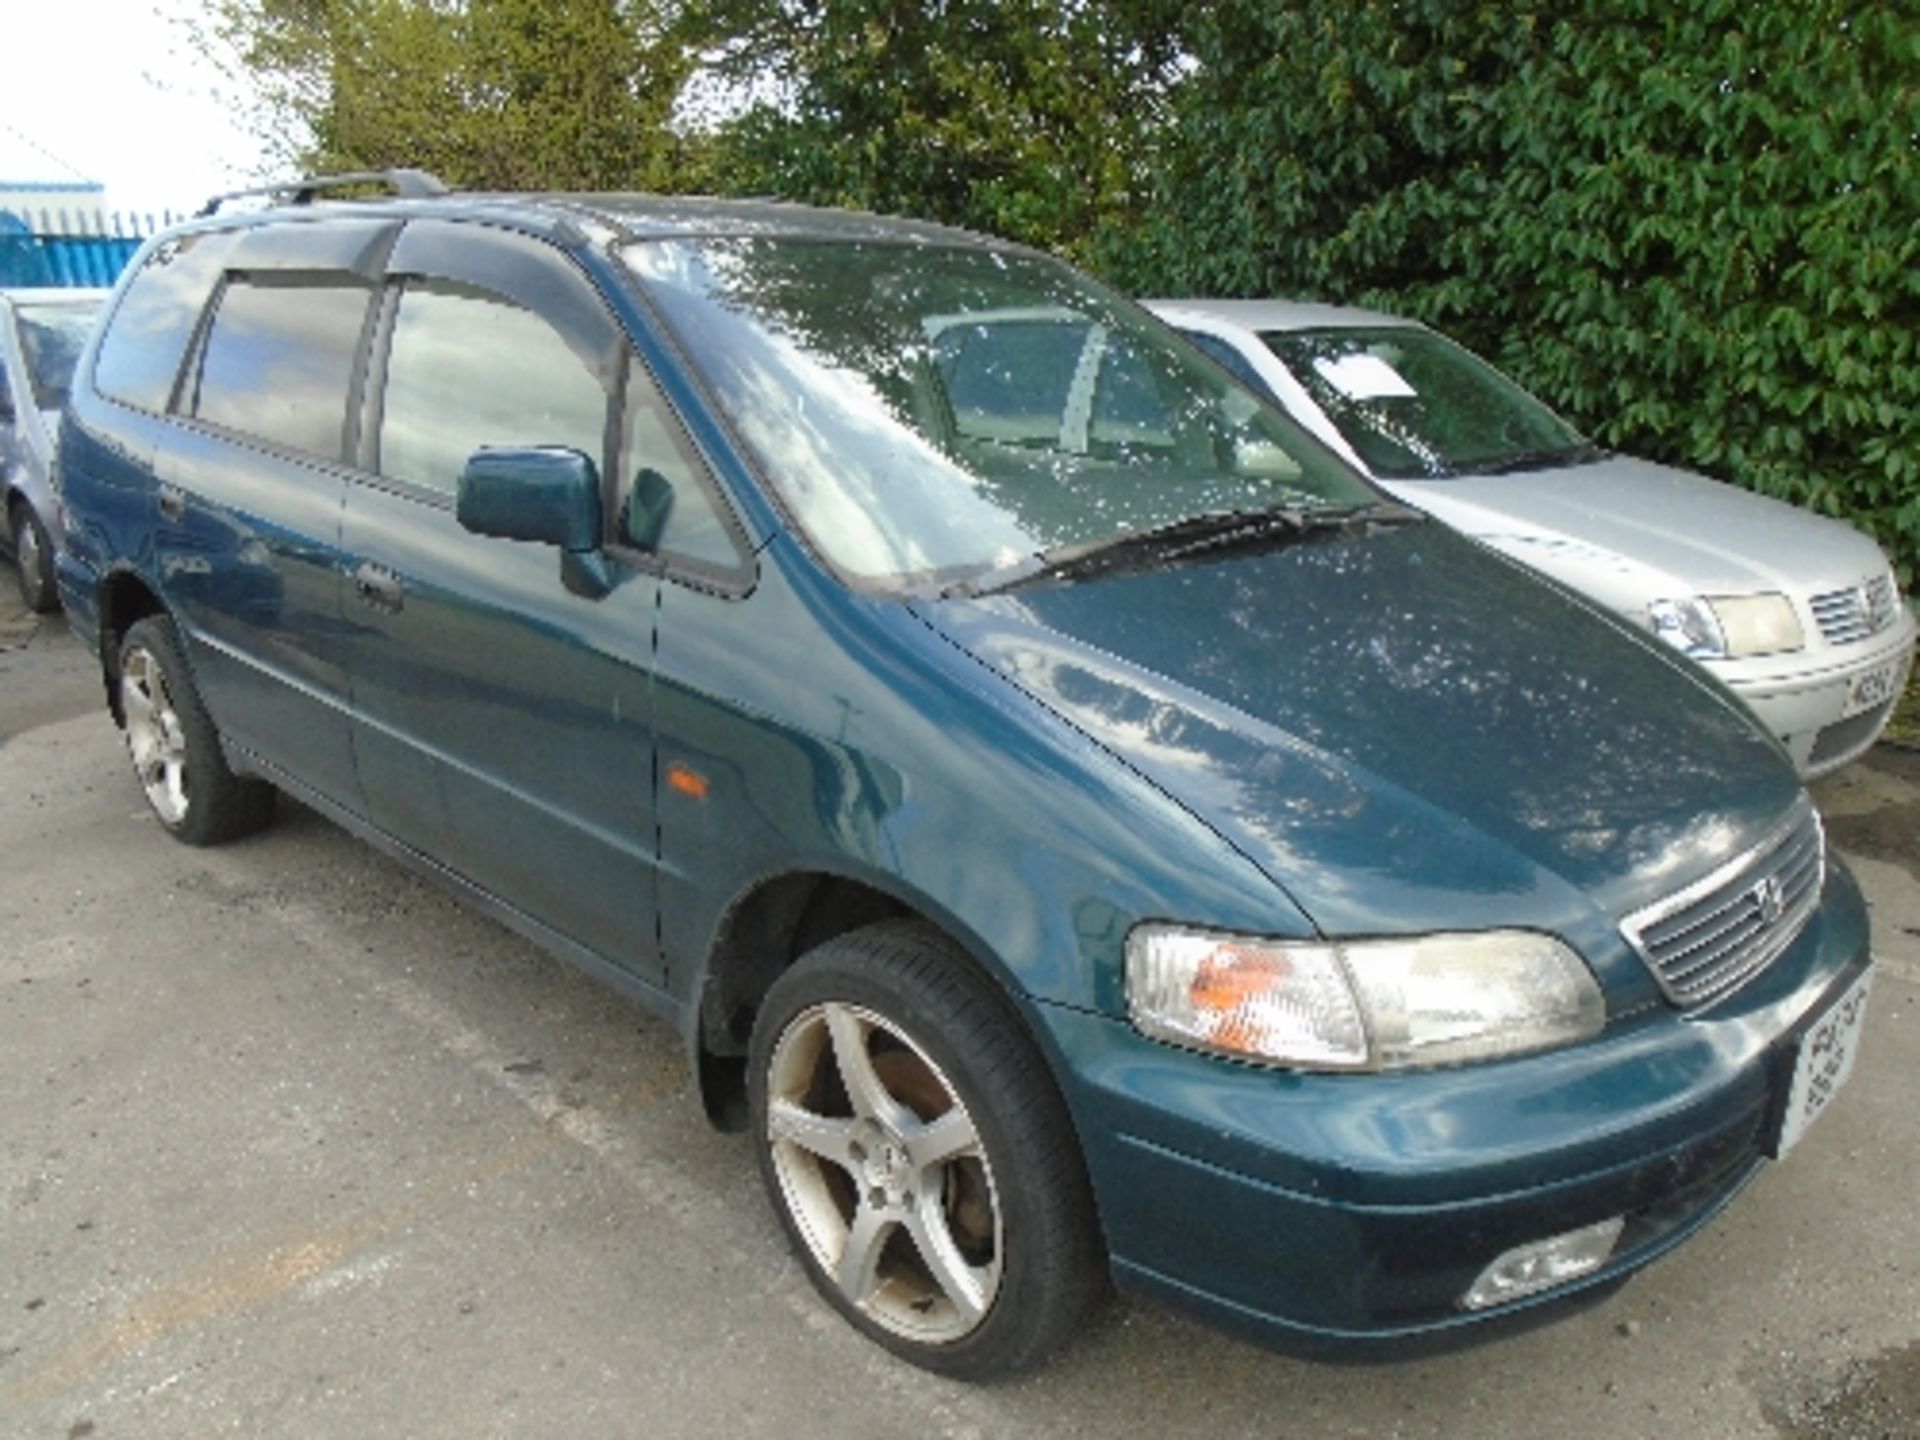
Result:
[933,415]
[1416,406]
[52,336]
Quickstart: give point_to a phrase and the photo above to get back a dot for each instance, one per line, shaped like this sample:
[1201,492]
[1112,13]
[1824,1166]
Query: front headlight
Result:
[1758,624]
[1690,626]
[1360,1004]
[1727,627]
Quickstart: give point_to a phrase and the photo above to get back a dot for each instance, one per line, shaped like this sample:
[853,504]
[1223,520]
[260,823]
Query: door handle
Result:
[379,587]
[173,502]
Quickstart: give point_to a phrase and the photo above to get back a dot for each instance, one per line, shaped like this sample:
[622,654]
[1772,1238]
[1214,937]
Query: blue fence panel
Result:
[22,261]
[79,260]
[71,251]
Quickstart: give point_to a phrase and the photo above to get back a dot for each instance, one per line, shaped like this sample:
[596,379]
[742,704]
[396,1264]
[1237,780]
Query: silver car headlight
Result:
[1727,627]
[1386,1004]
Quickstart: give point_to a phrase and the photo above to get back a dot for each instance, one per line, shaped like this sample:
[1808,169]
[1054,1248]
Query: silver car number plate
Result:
[1873,687]
[1824,1062]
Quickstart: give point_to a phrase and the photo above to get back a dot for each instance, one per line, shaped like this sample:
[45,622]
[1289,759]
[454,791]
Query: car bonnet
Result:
[1683,533]
[1404,732]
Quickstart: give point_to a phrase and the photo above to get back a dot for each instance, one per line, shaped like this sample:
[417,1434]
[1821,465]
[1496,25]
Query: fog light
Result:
[1543,1264]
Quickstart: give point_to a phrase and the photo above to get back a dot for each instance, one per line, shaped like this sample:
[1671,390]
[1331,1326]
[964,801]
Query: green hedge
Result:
[1695,229]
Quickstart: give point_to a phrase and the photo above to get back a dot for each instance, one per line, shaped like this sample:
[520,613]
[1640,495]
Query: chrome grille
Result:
[1845,616]
[1721,931]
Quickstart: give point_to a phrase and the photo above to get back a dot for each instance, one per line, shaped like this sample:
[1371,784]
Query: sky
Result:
[112,90]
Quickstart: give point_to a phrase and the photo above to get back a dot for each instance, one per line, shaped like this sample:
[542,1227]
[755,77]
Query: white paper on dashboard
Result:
[1360,376]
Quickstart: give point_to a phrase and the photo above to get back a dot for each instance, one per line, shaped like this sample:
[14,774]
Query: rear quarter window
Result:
[147,336]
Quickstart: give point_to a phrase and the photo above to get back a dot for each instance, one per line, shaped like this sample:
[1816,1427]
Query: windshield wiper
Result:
[1194,534]
[1260,525]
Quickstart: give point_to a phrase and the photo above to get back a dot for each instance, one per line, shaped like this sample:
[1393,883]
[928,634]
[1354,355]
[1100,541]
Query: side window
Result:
[1010,381]
[279,359]
[662,503]
[468,369]
[150,329]
[1128,406]
[1218,350]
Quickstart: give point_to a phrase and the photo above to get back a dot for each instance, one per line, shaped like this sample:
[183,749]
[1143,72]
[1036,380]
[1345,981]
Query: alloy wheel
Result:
[883,1171]
[155,738]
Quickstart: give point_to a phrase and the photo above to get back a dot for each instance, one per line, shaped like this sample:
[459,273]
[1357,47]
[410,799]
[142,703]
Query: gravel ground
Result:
[292,1144]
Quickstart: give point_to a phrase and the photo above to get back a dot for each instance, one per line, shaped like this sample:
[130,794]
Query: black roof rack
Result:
[406,184]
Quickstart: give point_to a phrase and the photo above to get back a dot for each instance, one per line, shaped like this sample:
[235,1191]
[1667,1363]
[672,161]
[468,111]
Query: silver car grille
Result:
[1712,937]
[1845,616]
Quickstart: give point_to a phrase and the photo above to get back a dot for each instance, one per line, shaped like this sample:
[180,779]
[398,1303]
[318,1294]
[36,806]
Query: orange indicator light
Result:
[690,783]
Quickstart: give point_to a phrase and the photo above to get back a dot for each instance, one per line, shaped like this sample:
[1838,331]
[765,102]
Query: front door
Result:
[502,723]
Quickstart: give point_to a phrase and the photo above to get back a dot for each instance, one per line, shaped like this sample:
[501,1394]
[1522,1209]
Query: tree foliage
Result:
[1696,229]
[487,94]
[1020,117]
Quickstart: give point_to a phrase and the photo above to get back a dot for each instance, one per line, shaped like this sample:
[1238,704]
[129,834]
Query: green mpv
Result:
[1081,828]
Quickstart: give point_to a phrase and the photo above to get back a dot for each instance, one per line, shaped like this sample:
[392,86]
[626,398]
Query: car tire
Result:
[33,557]
[918,1155]
[176,749]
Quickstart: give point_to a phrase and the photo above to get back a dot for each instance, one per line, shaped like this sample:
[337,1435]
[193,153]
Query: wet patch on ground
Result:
[1887,831]
[17,623]
[45,673]
[1877,1399]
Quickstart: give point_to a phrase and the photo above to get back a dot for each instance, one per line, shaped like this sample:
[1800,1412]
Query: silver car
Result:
[1800,615]
[41,334]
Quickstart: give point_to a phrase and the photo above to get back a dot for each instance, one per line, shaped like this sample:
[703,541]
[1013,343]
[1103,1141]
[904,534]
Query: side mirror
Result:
[644,515]
[544,495]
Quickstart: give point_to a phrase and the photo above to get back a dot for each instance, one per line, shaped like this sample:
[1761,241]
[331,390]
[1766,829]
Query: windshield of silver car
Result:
[52,337]
[1416,406]
[934,415]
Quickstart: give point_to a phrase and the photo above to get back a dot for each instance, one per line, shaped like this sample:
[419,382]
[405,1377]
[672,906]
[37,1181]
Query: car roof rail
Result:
[406,185]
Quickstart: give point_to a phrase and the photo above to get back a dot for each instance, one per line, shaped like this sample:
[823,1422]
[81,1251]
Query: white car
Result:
[1800,615]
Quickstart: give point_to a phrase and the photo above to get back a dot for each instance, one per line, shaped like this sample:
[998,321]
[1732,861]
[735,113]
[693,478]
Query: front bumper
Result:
[1806,708]
[1350,1214]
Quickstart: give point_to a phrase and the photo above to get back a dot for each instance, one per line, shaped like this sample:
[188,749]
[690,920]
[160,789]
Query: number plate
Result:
[1873,687]
[1824,1061]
